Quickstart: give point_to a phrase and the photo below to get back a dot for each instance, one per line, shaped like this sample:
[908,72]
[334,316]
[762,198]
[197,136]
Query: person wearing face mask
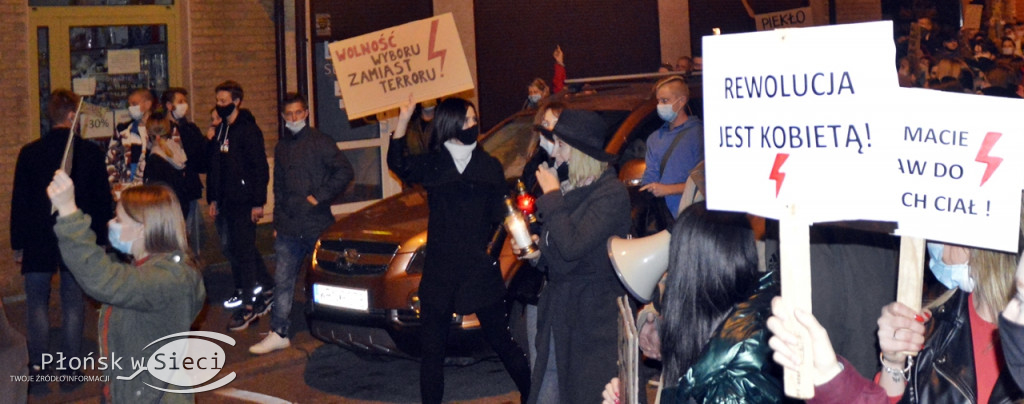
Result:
[537,90]
[672,150]
[126,152]
[175,101]
[952,357]
[309,172]
[32,236]
[236,189]
[160,293]
[464,188]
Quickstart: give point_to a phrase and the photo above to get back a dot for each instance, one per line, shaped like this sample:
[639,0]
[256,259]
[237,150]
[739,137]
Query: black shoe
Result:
[262,301]
[241,318]
[236,300]
[71,380]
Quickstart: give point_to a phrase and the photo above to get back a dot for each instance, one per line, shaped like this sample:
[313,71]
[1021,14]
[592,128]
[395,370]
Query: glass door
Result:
[115,49]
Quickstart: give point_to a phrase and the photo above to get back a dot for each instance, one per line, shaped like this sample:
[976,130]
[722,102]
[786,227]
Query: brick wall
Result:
[234,40]
[850,11]
[14,112]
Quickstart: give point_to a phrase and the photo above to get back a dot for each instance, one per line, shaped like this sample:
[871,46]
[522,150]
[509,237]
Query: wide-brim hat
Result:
[584,131]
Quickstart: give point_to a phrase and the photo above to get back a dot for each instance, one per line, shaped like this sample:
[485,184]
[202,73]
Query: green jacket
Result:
[736,366]
[156,297]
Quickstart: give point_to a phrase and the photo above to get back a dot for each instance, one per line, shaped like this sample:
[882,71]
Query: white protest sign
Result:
[96,122]
[797,17]
[378,71]
[788,118]
[953,167]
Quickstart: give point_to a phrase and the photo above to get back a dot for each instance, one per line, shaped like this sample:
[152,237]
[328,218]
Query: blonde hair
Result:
[583,168]
[158,209]
[160,131]
[993,273]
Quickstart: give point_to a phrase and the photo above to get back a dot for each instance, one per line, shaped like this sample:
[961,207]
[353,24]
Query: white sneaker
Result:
[269,344]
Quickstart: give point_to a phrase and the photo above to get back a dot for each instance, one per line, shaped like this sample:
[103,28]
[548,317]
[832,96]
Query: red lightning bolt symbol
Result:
[431,54]
[993,162]
[776,175]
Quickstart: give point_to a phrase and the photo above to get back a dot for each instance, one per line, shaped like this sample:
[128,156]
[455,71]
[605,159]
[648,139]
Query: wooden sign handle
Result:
[911,278]
[795,254]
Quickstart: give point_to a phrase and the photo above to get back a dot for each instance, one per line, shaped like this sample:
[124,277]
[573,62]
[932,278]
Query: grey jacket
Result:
[307,163]
[141,303]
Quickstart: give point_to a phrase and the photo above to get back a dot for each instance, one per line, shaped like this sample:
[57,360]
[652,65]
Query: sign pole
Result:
[795,253]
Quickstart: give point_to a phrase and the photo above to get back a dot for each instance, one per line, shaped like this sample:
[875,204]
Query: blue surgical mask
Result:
[667,113]
[135,112]
[952,276]
[534,98]
[114,236]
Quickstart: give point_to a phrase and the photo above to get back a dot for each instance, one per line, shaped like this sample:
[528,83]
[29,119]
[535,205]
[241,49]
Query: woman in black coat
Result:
[577,327]
[464,187]
[166,160]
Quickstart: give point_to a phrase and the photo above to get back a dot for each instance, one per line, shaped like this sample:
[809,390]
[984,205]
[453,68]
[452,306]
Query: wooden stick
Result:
[65,163]
[912,256]
[795,253]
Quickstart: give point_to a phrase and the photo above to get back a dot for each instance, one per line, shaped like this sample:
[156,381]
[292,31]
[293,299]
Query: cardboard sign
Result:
[952,175]
[789,117]
[378,71]
[97,122]
[795,18]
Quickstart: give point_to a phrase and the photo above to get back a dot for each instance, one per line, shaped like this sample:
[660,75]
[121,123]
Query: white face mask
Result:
[952,276]
[547,145]
[296,126]
[180,110]
[135,111]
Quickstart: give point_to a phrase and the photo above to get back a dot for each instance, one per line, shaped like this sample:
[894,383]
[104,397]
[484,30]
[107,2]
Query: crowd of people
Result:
[717,326]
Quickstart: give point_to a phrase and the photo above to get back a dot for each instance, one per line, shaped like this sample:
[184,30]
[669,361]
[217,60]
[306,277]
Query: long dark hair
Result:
[712,267]
[449,117]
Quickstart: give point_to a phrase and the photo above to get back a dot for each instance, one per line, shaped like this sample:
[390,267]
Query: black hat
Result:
[584,131]
[544,131]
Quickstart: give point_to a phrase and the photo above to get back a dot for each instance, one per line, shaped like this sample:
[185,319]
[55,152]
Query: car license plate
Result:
[346,298]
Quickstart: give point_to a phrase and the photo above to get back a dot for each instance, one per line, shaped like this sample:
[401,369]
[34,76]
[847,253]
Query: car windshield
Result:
[514,143]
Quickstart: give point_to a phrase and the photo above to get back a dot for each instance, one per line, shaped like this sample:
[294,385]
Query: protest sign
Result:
[795,18]
[629,353]
[788,117]
[378,71]
[953,171]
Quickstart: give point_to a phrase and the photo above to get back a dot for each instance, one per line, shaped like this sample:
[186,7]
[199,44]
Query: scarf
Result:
[461,153]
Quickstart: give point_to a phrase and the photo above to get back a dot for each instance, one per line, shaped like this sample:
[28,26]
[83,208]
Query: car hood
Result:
[392,220]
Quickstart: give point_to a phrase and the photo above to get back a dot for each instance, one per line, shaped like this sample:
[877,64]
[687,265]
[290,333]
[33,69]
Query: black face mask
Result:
[225,111]
[468,136]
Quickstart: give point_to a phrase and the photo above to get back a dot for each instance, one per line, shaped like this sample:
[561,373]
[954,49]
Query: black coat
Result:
[307,163]
[160,171]
[31,217]
[195,145]
[943,371]
[577,307]
[465,210]
[240,175]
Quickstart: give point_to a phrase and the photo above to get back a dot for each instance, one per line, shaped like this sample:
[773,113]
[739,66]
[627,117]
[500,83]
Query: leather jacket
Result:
[943,371]
[736,366]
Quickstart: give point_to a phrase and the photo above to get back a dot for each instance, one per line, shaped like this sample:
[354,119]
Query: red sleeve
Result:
[558,82]
[849,387]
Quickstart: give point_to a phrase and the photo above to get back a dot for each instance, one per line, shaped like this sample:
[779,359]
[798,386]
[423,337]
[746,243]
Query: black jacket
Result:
[195,145]
[239,175]
[31,218]
[577,308]
[465,210]
[160,171]
[944,370]
[307,163]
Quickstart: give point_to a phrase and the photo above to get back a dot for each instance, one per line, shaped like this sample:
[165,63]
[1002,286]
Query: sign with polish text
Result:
[378,71]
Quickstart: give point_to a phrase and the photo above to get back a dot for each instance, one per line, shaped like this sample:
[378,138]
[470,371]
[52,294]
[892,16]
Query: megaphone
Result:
[640,262]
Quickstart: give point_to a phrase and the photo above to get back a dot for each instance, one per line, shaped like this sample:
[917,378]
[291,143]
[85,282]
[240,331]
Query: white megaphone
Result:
[640,262]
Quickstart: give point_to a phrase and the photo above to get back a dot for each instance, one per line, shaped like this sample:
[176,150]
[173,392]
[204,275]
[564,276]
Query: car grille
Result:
[348,257]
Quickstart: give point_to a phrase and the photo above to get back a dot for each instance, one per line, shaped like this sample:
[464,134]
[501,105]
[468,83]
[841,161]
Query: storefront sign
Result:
[797,17]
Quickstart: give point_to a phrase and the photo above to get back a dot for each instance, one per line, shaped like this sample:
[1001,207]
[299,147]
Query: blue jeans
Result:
[72,304]
[290,252]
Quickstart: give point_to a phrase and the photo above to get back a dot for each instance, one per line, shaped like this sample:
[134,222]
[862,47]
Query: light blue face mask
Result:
[534,98]
[667,113]
[952,276]
[114,236]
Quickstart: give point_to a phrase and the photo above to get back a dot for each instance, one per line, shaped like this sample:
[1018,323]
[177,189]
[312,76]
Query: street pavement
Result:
[284,376]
